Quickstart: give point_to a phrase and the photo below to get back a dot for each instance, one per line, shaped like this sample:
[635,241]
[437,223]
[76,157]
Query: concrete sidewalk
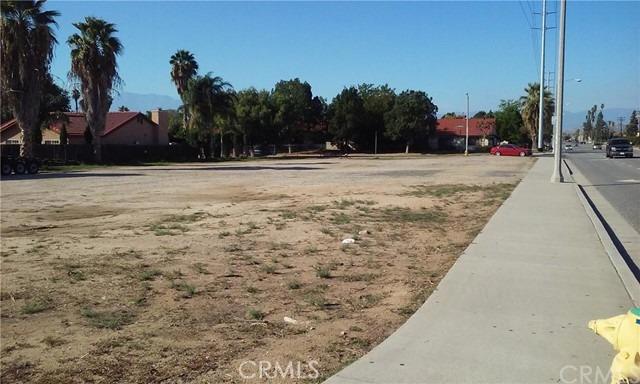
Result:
[514,307]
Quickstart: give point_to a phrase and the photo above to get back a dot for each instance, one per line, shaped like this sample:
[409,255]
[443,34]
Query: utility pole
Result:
[557,157]
[466,135]
[541,106]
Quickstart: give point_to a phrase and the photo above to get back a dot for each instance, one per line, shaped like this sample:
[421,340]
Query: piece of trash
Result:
[343,333]
[290,320]
[363,232]
[348,241]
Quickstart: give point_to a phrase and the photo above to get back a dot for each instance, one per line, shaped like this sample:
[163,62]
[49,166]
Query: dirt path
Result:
[182,273]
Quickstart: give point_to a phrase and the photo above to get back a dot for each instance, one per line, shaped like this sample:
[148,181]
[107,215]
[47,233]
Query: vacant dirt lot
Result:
[181,273]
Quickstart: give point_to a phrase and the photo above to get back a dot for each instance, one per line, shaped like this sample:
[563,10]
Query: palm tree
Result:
[207,98]
[529,109]
[183,68]
[26,49]
[93,62]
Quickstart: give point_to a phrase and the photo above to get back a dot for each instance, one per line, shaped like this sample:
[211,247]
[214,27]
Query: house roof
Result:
[77,122]
[456,127]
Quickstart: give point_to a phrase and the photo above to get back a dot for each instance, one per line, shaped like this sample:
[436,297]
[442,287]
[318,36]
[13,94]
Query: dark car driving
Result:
[619,147]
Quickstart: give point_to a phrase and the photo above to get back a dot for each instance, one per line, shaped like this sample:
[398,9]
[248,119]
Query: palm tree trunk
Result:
[26,149]
[236,150]
[221,145]
[26,120]
[245,148]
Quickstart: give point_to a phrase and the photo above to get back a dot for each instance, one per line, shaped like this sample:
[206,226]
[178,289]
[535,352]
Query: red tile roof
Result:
[456,127]
[77,122]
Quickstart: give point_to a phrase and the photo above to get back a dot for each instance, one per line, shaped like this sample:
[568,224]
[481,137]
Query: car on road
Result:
[619,147]
[568,147]
[510,150]
[597,146]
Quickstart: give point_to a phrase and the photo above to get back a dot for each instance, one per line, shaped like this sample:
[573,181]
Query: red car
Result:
[510,150]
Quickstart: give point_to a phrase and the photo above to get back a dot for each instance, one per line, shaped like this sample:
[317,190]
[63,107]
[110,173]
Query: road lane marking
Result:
[628,181]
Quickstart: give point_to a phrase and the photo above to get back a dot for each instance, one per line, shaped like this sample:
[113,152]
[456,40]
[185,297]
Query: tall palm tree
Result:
[26,49]
[207,98]
[184,67]
[529,109]
[93,62]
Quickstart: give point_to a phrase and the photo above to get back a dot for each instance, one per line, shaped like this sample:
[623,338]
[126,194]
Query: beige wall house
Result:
[125,128]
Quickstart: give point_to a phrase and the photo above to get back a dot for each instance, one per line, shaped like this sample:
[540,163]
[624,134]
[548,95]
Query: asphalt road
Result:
[617,180]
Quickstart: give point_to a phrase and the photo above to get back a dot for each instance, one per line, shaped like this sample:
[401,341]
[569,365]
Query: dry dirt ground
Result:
[181,273]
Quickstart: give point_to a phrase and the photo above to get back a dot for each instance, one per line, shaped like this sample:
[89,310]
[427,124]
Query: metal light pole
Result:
[541,106]
[466,134]
[557,166]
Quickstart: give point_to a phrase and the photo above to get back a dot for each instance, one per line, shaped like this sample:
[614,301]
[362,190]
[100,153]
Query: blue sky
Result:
[443,48]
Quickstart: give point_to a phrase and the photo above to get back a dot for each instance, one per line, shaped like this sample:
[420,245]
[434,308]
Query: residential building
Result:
[451,133]
[125,128]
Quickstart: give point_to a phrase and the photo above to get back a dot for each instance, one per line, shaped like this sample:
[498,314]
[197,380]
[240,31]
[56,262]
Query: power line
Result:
[534,45]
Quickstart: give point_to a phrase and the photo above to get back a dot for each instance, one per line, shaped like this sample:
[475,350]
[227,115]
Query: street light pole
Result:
[541,106]
[466,134]
[557,166]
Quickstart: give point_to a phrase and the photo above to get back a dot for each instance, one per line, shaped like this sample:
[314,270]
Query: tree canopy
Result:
[509,125]
[94,52]
[347,117]
[26,50]
[412,116]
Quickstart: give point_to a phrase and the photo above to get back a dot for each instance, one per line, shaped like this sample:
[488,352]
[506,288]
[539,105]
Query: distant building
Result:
[450,133]
[127,128]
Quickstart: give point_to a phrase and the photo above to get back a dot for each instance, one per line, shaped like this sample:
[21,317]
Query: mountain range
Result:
[144,102]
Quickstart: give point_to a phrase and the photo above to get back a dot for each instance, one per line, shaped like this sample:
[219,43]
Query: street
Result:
[617,180]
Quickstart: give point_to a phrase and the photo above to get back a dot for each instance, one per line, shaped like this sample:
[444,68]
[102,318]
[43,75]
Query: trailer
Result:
[19,165]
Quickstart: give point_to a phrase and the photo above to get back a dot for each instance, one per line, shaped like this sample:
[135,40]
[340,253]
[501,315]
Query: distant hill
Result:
[144,102]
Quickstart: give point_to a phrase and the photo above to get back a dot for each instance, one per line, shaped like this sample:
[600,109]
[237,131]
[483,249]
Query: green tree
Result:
[26,49]
[184,67]
[601,130]
[484,115]
[176,129]
[378,100]
[254,115]
[123,108]
[207,99]
[53,101]
[293,108]
[631,129]
[588,125]
[509,125]
[347,118]
[412,116]
[530,107]
[452,115]
[93,62]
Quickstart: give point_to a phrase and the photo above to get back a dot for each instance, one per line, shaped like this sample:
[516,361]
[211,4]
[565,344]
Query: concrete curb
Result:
[624,266]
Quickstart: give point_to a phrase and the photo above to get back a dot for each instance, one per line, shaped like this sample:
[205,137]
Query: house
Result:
[124,128]
[450,133]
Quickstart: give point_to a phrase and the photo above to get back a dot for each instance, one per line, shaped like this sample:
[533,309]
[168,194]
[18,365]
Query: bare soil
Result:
[181,273]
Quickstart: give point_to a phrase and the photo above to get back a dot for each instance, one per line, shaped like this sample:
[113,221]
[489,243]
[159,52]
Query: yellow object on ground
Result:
[623,332]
